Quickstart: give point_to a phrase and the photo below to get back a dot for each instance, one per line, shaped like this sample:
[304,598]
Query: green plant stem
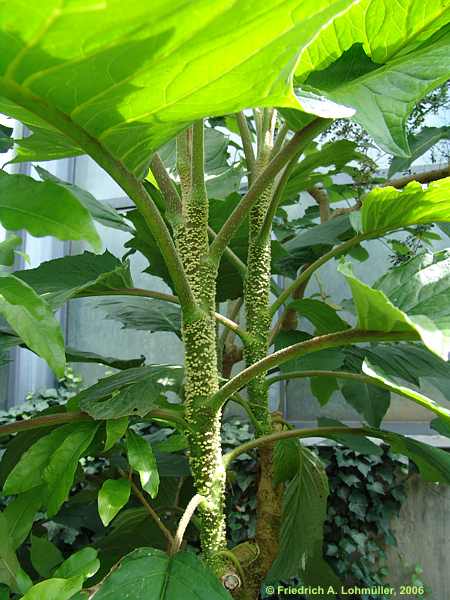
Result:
[44,421]
[306,274]
[260,184]
[75,417]
[323,432]
[151,511]
[430,405]
[246,138]
[140,292]
[166,185]
[246,406]
[280,137]
[131,185]
[184,522]
[332,340]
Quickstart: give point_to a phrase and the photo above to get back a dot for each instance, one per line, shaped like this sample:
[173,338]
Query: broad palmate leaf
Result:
[132,79]
[149,573]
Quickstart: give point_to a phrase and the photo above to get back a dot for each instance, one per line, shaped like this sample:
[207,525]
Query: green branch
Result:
[332,340]
[132,186]
[427,403]
[140,292]
[166,186]
[266,177]
[306,274]
[246,138]
[297,433]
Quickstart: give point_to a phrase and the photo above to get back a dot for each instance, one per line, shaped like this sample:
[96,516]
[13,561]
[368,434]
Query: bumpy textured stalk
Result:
[199,337]
[256,297]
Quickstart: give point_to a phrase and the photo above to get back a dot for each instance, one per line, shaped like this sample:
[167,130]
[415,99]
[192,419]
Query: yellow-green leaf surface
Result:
[131,77]
[55,589]
[33,320]
[388,208]
[385,29]
[414,297]
[44,208]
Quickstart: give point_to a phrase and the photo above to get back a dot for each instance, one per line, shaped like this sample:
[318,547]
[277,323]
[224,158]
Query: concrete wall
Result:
[423,534]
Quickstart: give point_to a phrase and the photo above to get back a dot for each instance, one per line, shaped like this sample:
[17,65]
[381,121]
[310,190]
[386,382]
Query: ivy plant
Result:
[146,91]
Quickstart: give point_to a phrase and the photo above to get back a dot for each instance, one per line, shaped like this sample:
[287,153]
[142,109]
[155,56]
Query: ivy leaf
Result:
[418,144]
[32,318]
[44,208]
[113,495]
[131,392]
[82,563]
[79,275]
[148,572]
[142,460]
[7,248]
[100,211]
[55,589]
[387,208]
[60,471]
[127,90]
[45,556]
[303,516]
[414,297]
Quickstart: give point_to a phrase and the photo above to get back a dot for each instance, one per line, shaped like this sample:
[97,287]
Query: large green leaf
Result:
[387,208]
[44,208]
[73,355]
[378,374]
[33,320]
[418,144]
[384,96]
[150,573]
[131,392]
[45,556]
[9,565]
[60,471]
[132,80]
[113,496]
[6,141]
[55,589]
[412,297]
[82,274]
[100,211]
[304,513]
[142,460]
[20,514]
[146,314]
[43,144]
[369,400]
[84,563]
[323,316]
[384,30]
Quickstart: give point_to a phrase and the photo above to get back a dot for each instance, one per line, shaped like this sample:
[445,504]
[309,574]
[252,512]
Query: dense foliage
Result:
[217,119]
